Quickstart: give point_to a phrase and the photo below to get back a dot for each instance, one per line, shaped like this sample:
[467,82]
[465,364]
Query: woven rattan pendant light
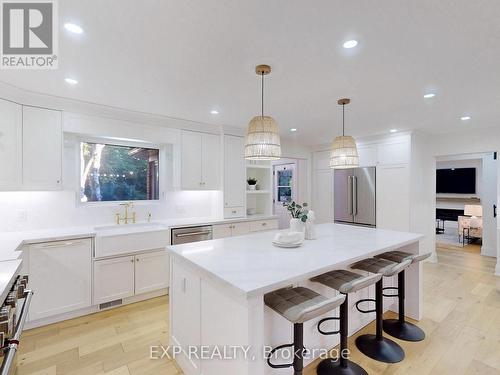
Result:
[344,153]
[262,141]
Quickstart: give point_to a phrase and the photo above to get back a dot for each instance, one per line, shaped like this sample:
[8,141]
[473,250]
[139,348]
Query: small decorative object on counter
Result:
[299,215]
[310,229]
[252,183]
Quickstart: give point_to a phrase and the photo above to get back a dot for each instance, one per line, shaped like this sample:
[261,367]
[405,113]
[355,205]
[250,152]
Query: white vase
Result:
[251,187]
[297,225]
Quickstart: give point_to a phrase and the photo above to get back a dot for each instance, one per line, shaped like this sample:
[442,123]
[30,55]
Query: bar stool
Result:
[344,282]
[377,346]
[298,305]
[400,328]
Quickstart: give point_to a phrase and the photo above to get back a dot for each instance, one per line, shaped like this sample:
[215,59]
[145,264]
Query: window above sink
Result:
[113,173]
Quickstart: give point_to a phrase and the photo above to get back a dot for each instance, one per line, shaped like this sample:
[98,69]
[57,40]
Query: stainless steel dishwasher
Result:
[191,234]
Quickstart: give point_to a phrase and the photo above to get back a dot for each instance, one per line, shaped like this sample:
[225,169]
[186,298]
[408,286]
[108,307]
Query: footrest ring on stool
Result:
[365,300]
[391,288]
[284,365]
[327,332]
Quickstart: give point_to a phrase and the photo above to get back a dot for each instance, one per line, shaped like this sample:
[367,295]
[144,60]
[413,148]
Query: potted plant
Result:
[252,183]
[299,215]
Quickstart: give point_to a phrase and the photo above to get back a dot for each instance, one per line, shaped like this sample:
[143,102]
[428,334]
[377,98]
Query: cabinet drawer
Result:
[239,229]
[260,225]
[221,231]
[230,212]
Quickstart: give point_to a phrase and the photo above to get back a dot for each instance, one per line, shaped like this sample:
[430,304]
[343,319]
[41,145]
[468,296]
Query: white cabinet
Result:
[152,271]
[393,197]
[234,176]
[200,161]
[323,195]
[231,229]
[11,157]
[125,276]
[241,228]
[42,148]
[367,155]
[60,274]
[113,279]
[185,314]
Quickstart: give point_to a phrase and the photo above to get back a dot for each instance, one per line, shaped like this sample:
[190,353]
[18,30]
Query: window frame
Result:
[162,159]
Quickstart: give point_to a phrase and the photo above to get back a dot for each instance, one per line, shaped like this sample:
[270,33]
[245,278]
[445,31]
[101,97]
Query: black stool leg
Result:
[298,347]
[399,328]
[342,365]
[377,346]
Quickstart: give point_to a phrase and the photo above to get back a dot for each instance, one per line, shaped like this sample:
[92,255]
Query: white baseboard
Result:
[92,309]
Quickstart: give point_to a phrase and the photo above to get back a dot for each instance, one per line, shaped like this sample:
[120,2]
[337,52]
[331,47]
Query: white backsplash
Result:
[39,210]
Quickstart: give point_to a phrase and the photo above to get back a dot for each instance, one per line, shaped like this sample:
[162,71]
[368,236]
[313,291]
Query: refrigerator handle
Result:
[354,195]
[349,195]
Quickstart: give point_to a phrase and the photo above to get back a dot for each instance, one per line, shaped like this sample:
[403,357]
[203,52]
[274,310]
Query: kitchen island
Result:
[217,288]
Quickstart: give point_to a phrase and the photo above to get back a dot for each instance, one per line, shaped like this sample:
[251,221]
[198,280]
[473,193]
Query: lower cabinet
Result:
[113,279]
[126,276]
[185,314]
[241,228]
[152,271]
[60,274]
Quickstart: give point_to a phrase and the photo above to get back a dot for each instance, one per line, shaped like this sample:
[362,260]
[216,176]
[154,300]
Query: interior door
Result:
[284,191]
[364,196]
[342,191]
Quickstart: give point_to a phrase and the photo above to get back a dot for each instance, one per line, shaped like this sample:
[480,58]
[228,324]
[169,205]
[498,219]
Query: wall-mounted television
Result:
[456,181]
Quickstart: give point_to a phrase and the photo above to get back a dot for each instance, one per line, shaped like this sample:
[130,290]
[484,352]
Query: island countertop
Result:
[251,265]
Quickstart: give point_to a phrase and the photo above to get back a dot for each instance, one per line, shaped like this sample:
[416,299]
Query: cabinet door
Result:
[60,274]
[393,197]
[11,141]
[191,160]
[113,279]
[42,148]
[210,162]
[152,271]
[323,196]
[234,172]
[185,317]
[221,231]
[239,229]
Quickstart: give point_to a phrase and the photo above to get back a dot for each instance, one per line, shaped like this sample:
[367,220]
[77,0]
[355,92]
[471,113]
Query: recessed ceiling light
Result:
[350,44]
[393,130]
[429,95]
[71,81]
[214,112]
[293,130]
[465,118]
[71,27]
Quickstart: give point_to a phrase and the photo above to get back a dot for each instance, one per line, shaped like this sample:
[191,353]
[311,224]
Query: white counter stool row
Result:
[298,305]
[344,282]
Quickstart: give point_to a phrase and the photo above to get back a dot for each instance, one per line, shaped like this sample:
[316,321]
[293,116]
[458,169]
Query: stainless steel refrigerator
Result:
[354,196]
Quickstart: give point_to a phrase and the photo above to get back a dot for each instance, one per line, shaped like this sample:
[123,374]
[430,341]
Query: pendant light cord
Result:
[343,118]
[262,94]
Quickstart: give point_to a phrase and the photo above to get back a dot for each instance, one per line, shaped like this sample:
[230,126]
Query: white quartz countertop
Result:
[251,265]
[12,242]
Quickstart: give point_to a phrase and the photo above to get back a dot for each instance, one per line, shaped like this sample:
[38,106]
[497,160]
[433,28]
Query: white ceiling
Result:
[183,58]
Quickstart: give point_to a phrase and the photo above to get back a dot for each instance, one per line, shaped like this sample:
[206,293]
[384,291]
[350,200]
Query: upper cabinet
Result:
[234,176]
[200,161]
[42,148]
[11,152]
[30,147]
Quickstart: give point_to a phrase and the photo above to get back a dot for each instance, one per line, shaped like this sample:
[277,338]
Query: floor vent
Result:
[107,305]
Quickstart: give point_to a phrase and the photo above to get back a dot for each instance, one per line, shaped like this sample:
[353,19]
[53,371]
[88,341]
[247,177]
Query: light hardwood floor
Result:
[461,319]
